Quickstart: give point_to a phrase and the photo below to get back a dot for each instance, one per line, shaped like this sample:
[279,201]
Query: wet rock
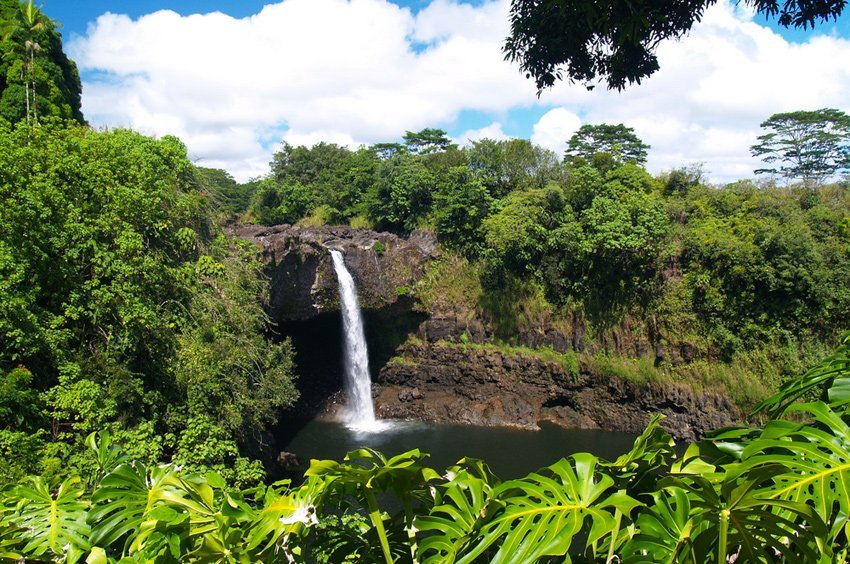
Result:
[407,394]
[385,267]
[287,461]
[488,387]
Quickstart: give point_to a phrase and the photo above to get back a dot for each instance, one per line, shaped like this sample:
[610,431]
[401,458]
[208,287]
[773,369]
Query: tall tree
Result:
[615,40]
[36,77]
[618,141]
[809,145]
[428,140]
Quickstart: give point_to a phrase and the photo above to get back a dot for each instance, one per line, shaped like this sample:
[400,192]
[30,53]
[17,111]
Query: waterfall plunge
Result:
[358,386]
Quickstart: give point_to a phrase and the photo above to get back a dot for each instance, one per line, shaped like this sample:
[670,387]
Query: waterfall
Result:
[358,385]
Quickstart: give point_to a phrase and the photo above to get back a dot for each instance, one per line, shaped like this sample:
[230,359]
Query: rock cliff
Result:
[443,382]
[303,284]
[433,375]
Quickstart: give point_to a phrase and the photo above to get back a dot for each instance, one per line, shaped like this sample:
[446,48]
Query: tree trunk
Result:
[27,90]
[34,96]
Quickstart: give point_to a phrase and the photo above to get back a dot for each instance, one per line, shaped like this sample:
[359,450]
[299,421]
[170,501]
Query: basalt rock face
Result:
[437,378]
[452,383]
[303,283]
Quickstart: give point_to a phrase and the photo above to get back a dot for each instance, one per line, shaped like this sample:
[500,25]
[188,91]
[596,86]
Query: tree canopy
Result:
[615,40]
[123,308]
[809,145]
[618,141]
[427,140]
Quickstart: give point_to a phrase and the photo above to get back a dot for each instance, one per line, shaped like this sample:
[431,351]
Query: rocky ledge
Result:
[385,267]
[443,383]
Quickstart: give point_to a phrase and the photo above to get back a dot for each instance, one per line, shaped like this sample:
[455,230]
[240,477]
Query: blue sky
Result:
[77,14]
[367,70]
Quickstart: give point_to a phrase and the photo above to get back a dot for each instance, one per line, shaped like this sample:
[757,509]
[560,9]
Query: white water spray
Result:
[358,386]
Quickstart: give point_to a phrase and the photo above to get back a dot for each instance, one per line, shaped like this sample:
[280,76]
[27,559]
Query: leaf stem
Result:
[724,531]
[378,522]
[618,515]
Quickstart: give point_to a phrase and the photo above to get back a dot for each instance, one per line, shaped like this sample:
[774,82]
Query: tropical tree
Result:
[615,41]
[36,78]
[512,164]
[460,207]
[228,194]
[618,141]
[402,193]
[122,308]
[428,140]
[809,145]
[34,20]
[281,202]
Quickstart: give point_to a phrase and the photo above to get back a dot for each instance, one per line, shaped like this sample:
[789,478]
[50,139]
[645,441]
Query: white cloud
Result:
[333,70]
[362,71]
[555,128]
[492,131]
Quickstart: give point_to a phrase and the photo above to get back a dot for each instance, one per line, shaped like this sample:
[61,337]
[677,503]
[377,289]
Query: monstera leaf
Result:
[815,462]
[461,504]
[136,503]
[636,470]
[665,531]
[218,520]
[540,515]
[286,514]
[735,517]
[50,524]
[365,472]
[107,455]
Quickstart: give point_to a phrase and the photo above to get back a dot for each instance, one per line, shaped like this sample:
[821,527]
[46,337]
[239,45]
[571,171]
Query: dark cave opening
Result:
[318,344]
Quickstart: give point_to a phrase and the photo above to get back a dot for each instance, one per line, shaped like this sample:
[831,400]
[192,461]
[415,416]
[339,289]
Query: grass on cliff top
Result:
[746,380]
[450,281]
[453,284]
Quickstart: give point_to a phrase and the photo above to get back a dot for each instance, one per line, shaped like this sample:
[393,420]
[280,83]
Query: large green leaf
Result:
[219,520]
[734,517]
[815,459]
[51,524]
[462,503]
[107,455]
[665,531]
[285,517]
[365,472]
[132,500]
[637,470]
[10,534]
[541,514]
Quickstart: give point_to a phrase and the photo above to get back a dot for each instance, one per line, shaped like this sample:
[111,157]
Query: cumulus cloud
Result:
[363,71]
[555,128]
[340,71]
[492,131]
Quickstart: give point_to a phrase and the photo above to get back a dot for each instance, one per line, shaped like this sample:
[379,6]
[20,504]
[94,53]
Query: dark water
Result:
[510,453]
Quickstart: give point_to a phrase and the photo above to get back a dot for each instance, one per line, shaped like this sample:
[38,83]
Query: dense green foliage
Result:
[36,78]
[226,193]
[767,261]
[123,308]
[810,146]
[730,269]
[615,41]
[771,494]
